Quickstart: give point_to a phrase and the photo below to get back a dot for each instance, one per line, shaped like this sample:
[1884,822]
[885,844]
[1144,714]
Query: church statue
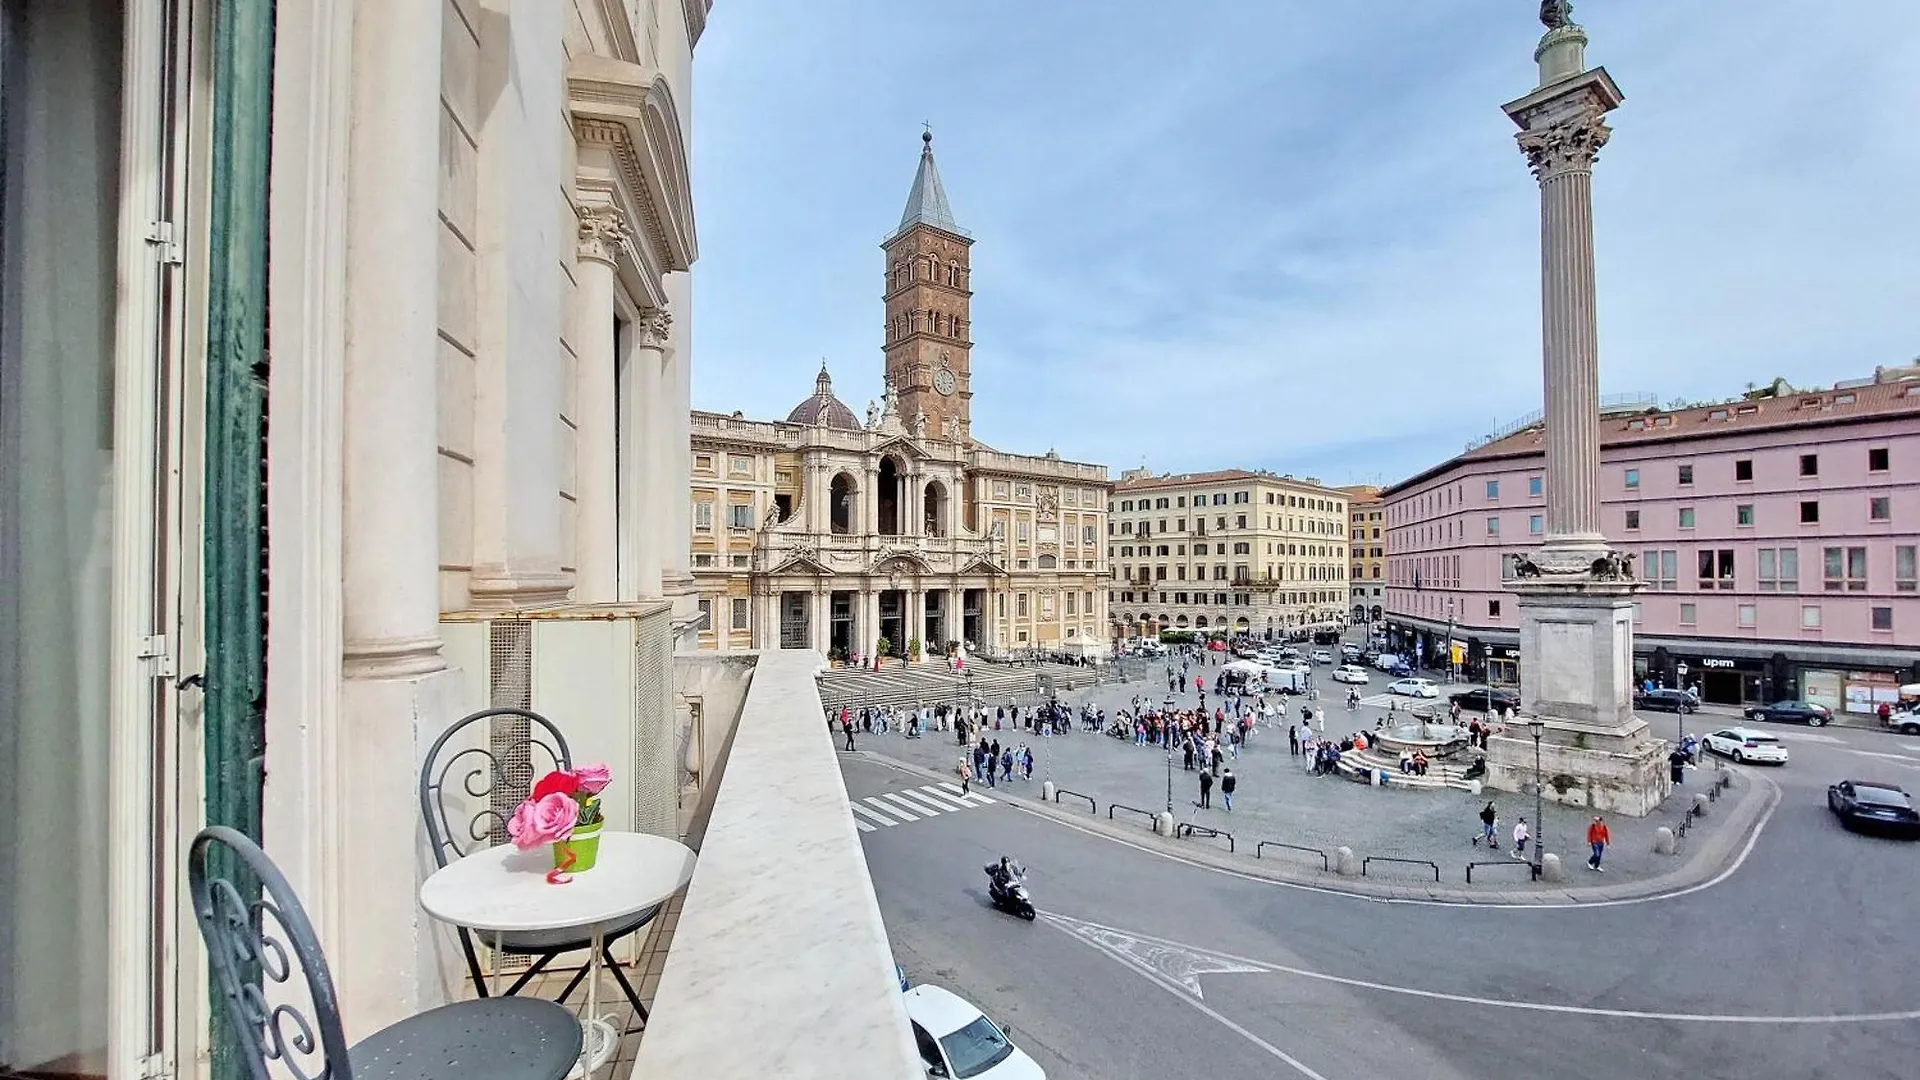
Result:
[892,398]
[873,413]
[920,424]
[1555,14]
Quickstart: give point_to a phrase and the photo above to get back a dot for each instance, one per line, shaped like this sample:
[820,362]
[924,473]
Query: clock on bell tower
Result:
[928,326]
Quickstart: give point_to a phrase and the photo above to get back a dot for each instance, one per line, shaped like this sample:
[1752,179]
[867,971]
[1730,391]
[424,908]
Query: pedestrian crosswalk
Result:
[891,808]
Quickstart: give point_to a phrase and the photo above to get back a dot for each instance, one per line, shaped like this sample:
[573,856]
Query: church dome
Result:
[823,408]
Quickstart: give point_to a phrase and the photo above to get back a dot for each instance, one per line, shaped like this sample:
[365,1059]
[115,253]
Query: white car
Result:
[1322,656]
[1414,688]
[1350,673]
[1746,744]
[957,1040]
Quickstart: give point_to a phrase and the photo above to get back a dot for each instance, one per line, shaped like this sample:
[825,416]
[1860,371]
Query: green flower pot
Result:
[584,846]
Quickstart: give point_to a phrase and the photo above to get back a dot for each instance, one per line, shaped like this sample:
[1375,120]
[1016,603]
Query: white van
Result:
[1287,680]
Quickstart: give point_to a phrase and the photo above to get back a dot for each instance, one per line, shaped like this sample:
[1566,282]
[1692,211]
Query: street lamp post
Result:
[1450,671]
[1166,736]
[1538,728]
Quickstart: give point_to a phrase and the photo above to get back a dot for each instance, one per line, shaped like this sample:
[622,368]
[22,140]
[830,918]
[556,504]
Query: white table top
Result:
[505,888]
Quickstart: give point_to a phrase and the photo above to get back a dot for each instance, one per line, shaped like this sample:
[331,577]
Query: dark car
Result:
[1666,701]
[1486,699]
[1870,805]
[1792,712]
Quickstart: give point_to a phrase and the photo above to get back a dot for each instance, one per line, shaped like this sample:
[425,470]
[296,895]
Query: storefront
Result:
[1860,693]
[1714,679]
[1503,665]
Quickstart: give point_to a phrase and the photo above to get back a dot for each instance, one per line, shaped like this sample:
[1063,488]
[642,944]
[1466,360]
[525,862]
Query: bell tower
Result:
[928,298]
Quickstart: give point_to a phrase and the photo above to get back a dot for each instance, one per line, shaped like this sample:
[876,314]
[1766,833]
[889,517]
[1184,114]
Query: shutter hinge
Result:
[156,1067]
[154,650]
[160,235]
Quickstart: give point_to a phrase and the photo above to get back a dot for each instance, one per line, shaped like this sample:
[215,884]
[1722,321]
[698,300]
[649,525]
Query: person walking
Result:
[1487,818]
[1206,790]
[1227,783]
[1293,740]
[1597,839]
[1520,835]
[965,770]
[846,725]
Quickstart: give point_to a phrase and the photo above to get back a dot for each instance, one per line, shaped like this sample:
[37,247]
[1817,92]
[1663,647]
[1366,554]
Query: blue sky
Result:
[1297,234]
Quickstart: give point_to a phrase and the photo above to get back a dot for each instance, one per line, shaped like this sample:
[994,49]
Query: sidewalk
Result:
[1277,800]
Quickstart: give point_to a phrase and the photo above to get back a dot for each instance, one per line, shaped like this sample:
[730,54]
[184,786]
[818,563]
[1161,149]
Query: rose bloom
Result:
[560,780]
[593,778]
[544,820]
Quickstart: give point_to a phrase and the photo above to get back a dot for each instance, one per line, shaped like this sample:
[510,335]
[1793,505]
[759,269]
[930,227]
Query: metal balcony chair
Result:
[497,776]
[263,955]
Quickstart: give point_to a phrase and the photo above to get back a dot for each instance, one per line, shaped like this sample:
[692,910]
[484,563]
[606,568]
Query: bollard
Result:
[1046,791]
[1550,869]
[1345,862]
[1473,787]
[1163,824]
[1699,805]
[1663,841]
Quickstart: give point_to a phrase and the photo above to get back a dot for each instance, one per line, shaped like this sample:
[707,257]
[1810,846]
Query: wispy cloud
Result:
[1298,235]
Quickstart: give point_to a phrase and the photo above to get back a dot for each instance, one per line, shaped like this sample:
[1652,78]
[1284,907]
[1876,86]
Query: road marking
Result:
[974,796]
[903,808]
[939,798]
[1152,957]
[1807,736]
[862,826]
[917,801]
[1901,759]
[874,815]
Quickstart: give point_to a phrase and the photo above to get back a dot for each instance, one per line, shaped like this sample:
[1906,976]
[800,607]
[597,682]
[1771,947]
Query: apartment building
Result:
[1776,535]
[1237,550]
[1367,542]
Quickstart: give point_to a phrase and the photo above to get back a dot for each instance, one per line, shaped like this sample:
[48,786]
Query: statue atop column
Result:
[1555,14]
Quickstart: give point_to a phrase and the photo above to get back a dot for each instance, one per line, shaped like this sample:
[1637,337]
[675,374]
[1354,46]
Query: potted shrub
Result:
[913,650]
[883,647]
[563,811]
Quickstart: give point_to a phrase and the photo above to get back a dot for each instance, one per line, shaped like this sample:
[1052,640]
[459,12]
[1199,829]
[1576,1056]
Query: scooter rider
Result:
[1353,699]
[1000,873]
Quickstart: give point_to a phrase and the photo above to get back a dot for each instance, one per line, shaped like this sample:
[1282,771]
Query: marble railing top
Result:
[780,965]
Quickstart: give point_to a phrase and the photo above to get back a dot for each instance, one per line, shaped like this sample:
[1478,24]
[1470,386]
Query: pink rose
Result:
[543,820]
[593,778]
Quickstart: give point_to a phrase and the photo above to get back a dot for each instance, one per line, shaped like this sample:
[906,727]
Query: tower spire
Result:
[927,201]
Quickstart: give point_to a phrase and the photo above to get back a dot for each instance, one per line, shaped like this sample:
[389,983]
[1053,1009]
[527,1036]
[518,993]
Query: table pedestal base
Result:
[600,1040]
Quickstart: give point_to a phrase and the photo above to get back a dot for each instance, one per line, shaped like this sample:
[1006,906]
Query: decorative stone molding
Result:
[604,234]
[695,12]
[652,328]
[628,110]
[1568,144]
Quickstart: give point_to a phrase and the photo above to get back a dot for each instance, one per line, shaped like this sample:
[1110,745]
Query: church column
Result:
[642,407]
[519,392]
[917,615]
[910,501]
[956,613]
[869,523]
[596,542]
[820,618]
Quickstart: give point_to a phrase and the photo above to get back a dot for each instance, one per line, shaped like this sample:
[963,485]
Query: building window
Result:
[1880,508]
[1777,569]
[1809,464]
[1748,615]
[1242,548]
[1088,534]
[702,559]
[1810,617]
[1877,459]
[1636,611]
[1903,568]
[1743,514]
[1534,485]
[738,562]
[1633,519]
[1020,605]
[1633,478]
[1686,517]
[1845,568]
[1493,489]
[1534,524]
[1689,614]
[739,465]
[1493,609]
[1686,474]
[1743,469]
[706,615]
[1023,531]
[1662,569]
[703,462]
[740,516]
[1810,512]
[703,517]
[1883,618]
[739,613]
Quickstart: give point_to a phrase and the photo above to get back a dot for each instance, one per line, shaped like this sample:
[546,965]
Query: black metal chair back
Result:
[255,945]
[521,746]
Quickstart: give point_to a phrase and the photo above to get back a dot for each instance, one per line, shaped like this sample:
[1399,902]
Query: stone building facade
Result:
[1247,552]
[1366,531]
[900,532]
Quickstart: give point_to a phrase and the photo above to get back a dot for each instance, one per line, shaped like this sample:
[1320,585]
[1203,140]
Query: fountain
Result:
[1435,738]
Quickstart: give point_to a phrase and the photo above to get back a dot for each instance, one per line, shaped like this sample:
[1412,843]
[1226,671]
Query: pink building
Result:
[1777,536]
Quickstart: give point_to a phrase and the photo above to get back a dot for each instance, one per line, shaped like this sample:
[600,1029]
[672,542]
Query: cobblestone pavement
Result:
[1277,799]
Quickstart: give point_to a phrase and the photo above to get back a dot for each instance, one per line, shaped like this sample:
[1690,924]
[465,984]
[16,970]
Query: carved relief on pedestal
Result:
[1568,143]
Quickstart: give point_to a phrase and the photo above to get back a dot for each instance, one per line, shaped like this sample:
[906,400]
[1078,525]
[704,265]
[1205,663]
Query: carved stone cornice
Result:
[695,12]
[604,234]
[627,110]
[1570,144]
[652,328]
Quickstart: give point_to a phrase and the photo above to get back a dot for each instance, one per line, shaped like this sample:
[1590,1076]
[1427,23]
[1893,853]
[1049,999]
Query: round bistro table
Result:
[504,889]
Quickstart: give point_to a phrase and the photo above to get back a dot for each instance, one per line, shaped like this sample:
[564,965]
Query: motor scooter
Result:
[1010,897]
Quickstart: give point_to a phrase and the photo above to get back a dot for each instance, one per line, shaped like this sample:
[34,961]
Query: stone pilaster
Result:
[603,235]
[642,406]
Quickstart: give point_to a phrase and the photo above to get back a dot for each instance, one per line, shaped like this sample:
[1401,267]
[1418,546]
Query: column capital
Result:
[604,233]
[1569,143]
[652,327]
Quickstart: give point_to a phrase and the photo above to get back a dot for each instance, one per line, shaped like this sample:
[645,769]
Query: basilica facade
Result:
[897,533]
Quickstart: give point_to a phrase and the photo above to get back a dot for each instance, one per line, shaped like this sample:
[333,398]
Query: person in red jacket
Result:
[1597,839]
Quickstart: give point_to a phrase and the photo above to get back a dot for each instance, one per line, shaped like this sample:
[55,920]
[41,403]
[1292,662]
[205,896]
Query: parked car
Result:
[1906,723]
[1386,661]
[1869,805]
[1675,701]
[1746,744]
[1350,673]
[1422,688]
[1486,699]
[957,1040]
[1792,712]
[1322,656]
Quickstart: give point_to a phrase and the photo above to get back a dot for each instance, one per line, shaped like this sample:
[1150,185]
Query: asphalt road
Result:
[1800,964]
